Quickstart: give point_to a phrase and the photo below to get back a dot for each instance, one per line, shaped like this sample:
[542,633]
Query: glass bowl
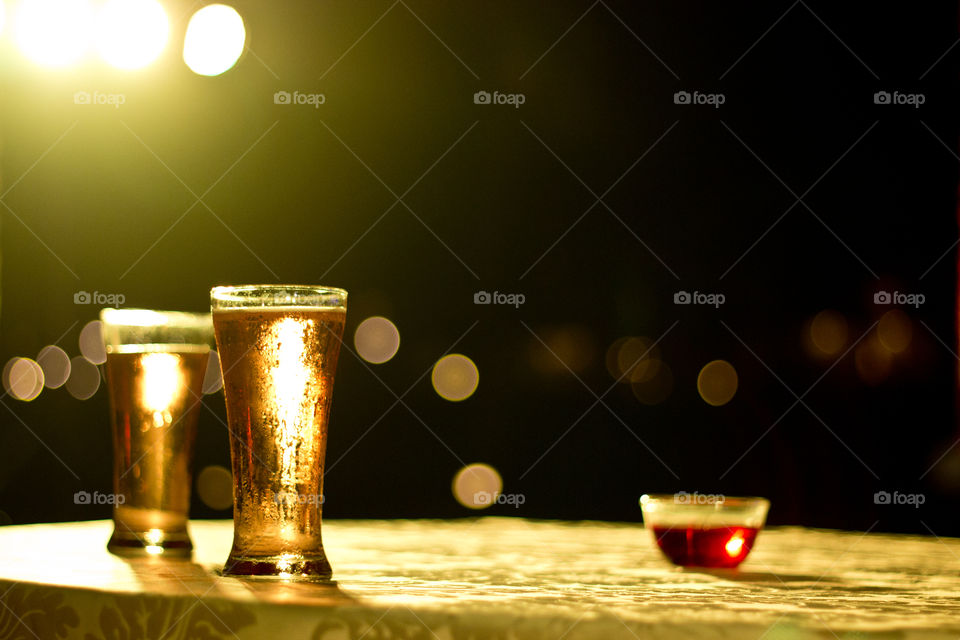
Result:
[704,530]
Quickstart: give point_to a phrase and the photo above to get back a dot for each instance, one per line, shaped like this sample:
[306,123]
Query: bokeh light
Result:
[131,33]
[25,379]
[55,364]
[6,373]
[84,378]
[376,340]
[215,487]
[653,389]
[828,333]
[717,383]
[633,359]
[455,377]
[91,342]
[214,40]
[212,378]
[53,33]
[477,485]
[570,347]
[873,361]
[895,331]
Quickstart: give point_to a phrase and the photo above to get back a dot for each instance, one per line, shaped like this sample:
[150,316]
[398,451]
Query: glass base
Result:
[286,566]
[139,544]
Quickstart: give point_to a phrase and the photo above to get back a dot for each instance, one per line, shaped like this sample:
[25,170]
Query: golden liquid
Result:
[154,393]
[278,366]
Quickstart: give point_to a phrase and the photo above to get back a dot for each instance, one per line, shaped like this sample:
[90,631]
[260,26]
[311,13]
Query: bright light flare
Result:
[53,33]
[162,385]
[214,40]
[131,33]
[734,545]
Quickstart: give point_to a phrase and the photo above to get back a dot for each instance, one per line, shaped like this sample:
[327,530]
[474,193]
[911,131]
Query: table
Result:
[504,578]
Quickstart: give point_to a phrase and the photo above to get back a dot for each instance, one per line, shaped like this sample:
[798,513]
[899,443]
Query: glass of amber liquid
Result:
[278,348]
[156,361]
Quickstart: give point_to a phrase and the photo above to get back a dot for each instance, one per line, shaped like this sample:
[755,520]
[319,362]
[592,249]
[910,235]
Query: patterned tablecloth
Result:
[485,578]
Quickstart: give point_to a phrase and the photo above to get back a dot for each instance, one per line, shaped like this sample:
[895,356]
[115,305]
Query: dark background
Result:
[95,200]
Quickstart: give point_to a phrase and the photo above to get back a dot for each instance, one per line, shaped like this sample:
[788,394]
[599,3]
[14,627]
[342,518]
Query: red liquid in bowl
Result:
[717,547]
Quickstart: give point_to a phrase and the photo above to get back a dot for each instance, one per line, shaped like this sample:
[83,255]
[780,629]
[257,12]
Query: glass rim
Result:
[277,295]
[136,317]
[725,502]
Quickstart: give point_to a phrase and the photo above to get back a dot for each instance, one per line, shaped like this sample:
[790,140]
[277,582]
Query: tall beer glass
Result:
[278,348]
[156,361]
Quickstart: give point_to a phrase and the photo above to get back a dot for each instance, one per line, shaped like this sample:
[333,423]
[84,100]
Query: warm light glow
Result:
[828,333]
[376,340]
[91,342]
[734,545]
[633,359]
[717,382]
[131,33]
[55,364]
[288,387]
[215,487]
[53,33]
[895,331]
[84,378]
[3,15]
[162,385]
[560,349]
[455,377]
[153,536]
[25,379]
[214,40]
[153,549]
[477,485]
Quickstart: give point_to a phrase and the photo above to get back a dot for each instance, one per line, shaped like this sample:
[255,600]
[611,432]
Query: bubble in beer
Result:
[455,377]
[477,485]
[26,379]
[55,364]
[215,487]
[376,340]
[91,342]
[717,383]
[84,378]
[212,379]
